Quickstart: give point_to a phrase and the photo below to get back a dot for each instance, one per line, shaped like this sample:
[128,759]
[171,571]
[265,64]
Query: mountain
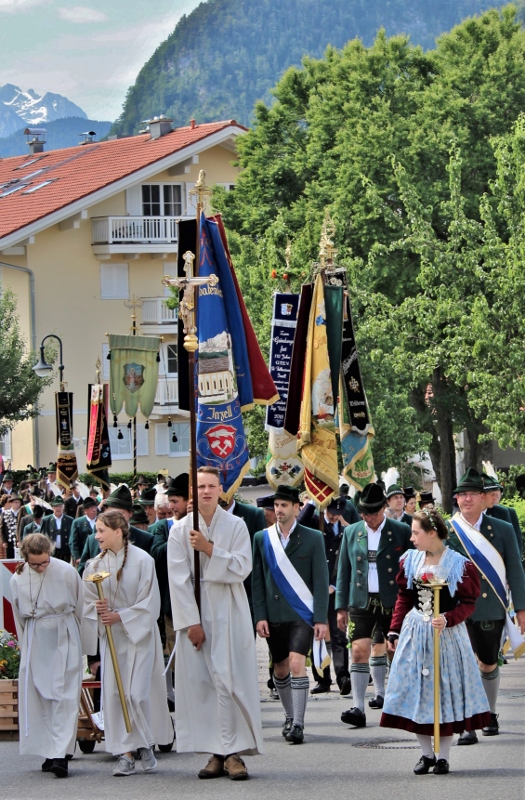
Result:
[17,106]
[59,133]
[227,54]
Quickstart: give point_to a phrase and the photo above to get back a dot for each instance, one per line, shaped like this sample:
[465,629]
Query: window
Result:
[122,449]
[168,360]
[164,445]
[161,200]
[114,284]
[5,446]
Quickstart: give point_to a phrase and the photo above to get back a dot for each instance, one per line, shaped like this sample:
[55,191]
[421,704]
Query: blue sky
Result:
[89,51]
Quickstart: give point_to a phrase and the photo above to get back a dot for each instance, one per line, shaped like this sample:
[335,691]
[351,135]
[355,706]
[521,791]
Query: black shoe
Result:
[345,687]
[321,688]
[376,702]
[492,729]
[354,717]
[59,767]
[423,765]
[295,735]
[46,766]
[442,767]
[274,694]
[287,726]
[468,737]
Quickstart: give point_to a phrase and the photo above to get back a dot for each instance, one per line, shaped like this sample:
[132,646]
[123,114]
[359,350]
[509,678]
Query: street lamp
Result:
[42,369]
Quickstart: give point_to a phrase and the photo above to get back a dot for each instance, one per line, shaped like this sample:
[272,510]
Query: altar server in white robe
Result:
[132,607]
[47,605]
[216,690]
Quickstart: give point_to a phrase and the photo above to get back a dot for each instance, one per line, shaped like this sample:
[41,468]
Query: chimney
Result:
[36,144]
[158,126]
[192,124]
[88,137]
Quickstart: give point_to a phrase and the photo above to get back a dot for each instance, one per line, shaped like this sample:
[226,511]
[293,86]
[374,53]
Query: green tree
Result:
[21,387]
[416,238]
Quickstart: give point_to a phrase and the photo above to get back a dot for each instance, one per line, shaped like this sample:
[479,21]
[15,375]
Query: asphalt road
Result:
[334,762]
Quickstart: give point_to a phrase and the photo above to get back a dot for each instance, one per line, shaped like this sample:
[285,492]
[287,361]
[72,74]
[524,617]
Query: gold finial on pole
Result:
[97,579]
[288,254]
[201,192]
[327,251]
[98,369]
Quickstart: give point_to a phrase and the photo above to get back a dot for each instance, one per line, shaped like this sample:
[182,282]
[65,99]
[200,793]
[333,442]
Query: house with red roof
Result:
[86,235]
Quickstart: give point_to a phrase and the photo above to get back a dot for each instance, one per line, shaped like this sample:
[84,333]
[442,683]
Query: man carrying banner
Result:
[217,707]
[290,597]
[491,545]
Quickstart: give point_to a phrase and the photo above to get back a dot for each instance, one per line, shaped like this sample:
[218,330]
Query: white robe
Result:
[51,666]
[138,647]
[217,706]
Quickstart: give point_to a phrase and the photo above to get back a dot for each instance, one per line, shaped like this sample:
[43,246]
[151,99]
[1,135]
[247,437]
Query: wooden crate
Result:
[8,705]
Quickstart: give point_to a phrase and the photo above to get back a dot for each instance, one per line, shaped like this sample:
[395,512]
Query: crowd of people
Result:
[347,588]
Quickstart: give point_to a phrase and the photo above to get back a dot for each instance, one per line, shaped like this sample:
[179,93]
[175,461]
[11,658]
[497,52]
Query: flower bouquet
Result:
[9,656]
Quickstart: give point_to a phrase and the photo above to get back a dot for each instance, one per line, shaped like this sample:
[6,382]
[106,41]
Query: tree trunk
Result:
[475,451]
[426,423]
[445,430]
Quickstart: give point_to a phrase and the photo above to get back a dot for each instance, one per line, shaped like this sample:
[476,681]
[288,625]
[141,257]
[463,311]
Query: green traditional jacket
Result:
[507,514]
[159,553]
[501,536]
[307,554]
[352,572]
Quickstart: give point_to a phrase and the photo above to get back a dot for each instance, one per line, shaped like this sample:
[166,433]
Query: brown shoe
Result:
[214,768]
[236,768]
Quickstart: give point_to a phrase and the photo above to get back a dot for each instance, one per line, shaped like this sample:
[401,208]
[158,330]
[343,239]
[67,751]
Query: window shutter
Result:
[162,446]
[134,201]
[142,441]
[114,283]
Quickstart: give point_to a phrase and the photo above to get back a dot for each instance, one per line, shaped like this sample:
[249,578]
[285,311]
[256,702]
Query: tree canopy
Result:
[21,387]
[417,158]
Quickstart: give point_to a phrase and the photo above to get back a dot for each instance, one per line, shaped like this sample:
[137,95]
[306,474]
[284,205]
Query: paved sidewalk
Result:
[335,761]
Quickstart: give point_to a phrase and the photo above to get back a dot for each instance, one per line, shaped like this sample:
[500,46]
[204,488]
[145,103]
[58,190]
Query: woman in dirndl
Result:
[409,700]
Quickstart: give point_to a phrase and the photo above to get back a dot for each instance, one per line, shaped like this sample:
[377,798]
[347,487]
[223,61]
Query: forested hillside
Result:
[227,54]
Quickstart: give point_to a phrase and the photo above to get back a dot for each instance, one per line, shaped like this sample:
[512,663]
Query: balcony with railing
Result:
[167,394]
[155,312]
[134,235]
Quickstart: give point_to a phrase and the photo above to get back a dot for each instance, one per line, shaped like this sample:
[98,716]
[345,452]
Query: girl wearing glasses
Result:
[47,600]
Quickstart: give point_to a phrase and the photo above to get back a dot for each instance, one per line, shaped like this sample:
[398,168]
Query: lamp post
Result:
[42,369]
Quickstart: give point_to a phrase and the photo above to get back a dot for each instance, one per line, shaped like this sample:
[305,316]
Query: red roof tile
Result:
[77,172]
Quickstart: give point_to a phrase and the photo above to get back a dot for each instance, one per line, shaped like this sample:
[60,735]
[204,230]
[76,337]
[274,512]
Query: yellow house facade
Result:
[86,236]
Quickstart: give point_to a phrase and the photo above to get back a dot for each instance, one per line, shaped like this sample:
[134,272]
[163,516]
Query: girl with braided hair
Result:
[409,698]
[47,600]
[131,607]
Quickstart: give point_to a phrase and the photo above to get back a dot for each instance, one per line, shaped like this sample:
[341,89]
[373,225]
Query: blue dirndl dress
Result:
[409,699]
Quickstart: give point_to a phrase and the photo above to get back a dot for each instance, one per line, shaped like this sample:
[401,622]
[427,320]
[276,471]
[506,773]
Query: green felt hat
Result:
[147,498]
[372,498]
[393,490]
[289,493]
[490,483]
[120,498]
[179,486]
[7,476]
[470,482]
[139,516]
[57,501]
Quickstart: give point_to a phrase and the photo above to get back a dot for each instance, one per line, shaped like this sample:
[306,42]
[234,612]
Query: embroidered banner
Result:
[67,470]
[317,438]
[98,450]
[284,322]
[134,373]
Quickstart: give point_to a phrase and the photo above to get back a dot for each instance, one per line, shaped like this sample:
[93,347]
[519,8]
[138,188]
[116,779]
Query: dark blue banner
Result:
[284,323]
[221,441]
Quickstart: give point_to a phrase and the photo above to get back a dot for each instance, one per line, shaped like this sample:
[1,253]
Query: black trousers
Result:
[339,650]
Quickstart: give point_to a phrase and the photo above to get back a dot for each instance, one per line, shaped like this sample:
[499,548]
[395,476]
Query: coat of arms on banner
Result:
[221,440]
[133,376]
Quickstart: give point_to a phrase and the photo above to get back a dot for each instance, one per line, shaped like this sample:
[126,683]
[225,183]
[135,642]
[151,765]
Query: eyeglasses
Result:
[42,564]
[470,495]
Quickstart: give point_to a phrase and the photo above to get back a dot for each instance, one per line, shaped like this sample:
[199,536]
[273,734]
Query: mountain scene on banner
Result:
[227,54]
[62,119]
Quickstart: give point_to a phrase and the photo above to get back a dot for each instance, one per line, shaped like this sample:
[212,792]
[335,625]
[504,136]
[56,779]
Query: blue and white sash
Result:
[293,588]
[490,564]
